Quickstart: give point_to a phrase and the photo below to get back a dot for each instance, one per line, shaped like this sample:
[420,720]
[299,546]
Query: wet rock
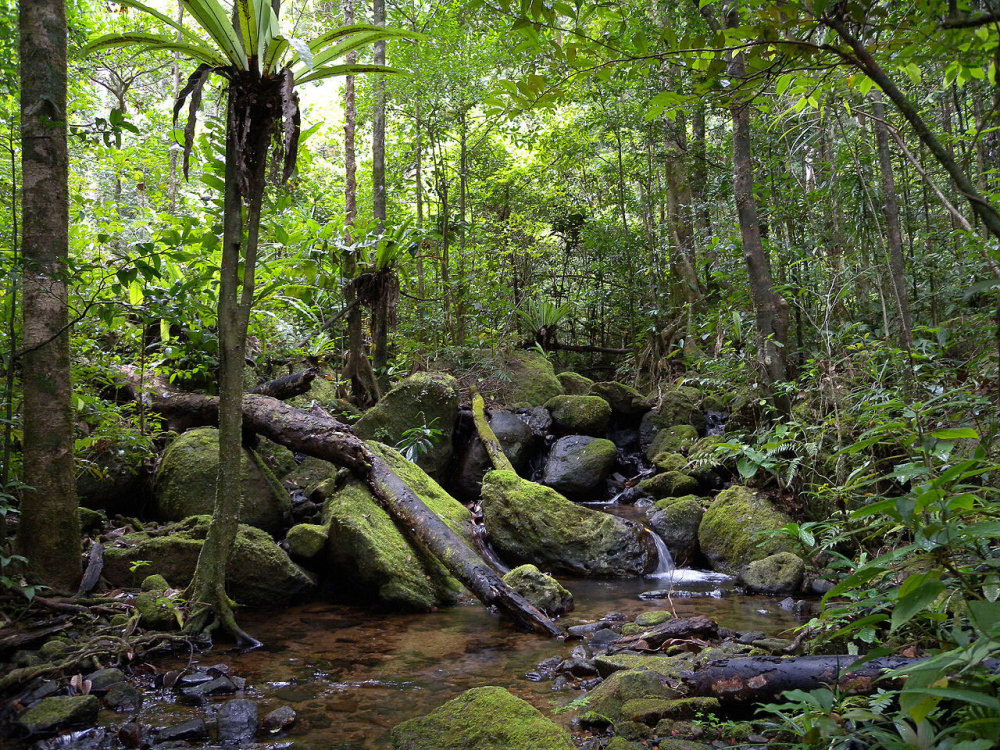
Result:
[676,522]
[530,523]
[217,686]
[676,439]
[748,637]
[575,384]
[729,534]
[279,718]
[624,400]
[587,629]
[678,406]
[365,548]
[155,582]
[192,731]
[91,520]
[515,437]
[777,574]
[540,589]
[486,718]
[44,690]
[157,611]
[103,679]
[260,572]
[820,586]
[609,702]
[185,483]
[277,458]
[602,639]
[665,666]
[580,415]
[532,379]
[578,667]
[131,734]
[310,474]
[667,461]
[236,721]
[123,696]
[775,646]
[578,466]
[653,617]
[669,484]
[57,712]
[425,398]
[305,542]
[196,678]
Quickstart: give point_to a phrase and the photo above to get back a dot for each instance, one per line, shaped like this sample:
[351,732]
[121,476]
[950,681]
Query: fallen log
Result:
[677,628]
[320,435]
[493,449]
[764,678]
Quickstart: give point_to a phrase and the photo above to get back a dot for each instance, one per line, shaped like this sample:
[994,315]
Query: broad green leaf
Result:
[955,433]
[154,42]
[347,70]
[163,18]
[215,21]
[275,49]
[247,19]
[784,81]
[958,694]
[907,607]
[356,41]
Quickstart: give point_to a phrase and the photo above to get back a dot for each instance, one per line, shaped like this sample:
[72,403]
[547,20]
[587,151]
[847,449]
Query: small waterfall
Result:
[486,551]
[665,565]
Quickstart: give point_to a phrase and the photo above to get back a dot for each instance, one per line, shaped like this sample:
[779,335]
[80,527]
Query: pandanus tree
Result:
[261,68]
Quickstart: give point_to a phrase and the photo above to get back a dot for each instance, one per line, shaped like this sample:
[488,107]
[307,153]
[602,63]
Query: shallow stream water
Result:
[351,674]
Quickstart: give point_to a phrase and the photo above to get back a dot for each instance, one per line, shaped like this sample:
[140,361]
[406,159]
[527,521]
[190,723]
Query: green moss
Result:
[676,521]
[155,582]
[729,533]
[531,377]
[778,574]
[426,398]
[91,520]
[624,399]
[672,440]
[668,461]
[50,714]
[186,480]
[155,611]
[665,666]
[669,484]
[531,523]
[574,384]
[653,617]
[277,458]
[540,589]
[260,573]
[609,699]
[578,465]
[620,743]
[311,473]
[580,415]
[305,541]
[651,711]
[485,718]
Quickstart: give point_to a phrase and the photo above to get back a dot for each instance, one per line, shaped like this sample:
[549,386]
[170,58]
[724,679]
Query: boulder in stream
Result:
[625,400]
[260,572]
[541,589]
[424,399]
[186,477]
[730,532]
[678,405]
[672,440]
[669,484]
[57,712]
[780,574]
[580,415]
[676,520]
[579,465]
[484,718]
[531,523]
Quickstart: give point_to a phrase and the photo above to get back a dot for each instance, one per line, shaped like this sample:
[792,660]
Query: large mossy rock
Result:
[678,405]
[186,481]
[52,714]
[578,466]
[625,400]
[730,532]
[776,575]
[676,521]
[426,398]
[365,551]
[531,523]
[672,440]
[575,384]
[541,589]
[669,484]
[619,697]
[532,381]
[580,415]
[260,572]
[484,718]
[517,440]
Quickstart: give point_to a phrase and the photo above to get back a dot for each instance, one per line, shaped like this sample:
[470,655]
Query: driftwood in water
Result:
[320,435]
[678,628]
[764,678]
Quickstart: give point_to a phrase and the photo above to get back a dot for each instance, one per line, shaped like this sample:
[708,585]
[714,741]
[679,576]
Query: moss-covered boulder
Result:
[776,575]
[574,384]
[678,405]
[672,440]
[705,464]
[277,458]
[485,718]
[260,572]
[186,477]
[517,440]
[305,543]
[668,461]
[578,466]
[311,473]
[530,523]
[614,701]
[426,398]
[625,400]
[158,610]
[542,590]
[365,551]
[676,522]
[532,381]
[730,534]
[580,415]
[324,392]
[51,714]
[669,484]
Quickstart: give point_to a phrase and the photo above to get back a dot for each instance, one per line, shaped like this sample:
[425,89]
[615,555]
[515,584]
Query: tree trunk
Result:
[770,308]
[49,530]
[380,313]
[894,237]
[321,436]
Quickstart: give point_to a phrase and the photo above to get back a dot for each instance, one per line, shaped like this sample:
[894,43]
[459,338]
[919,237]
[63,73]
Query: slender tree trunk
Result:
[894,238]
[175,73]
[419,177]
[380,313]
[49,530]
[460,289]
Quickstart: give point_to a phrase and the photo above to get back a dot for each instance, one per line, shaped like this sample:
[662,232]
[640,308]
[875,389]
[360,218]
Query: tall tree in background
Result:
[49,530]
[380,309]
